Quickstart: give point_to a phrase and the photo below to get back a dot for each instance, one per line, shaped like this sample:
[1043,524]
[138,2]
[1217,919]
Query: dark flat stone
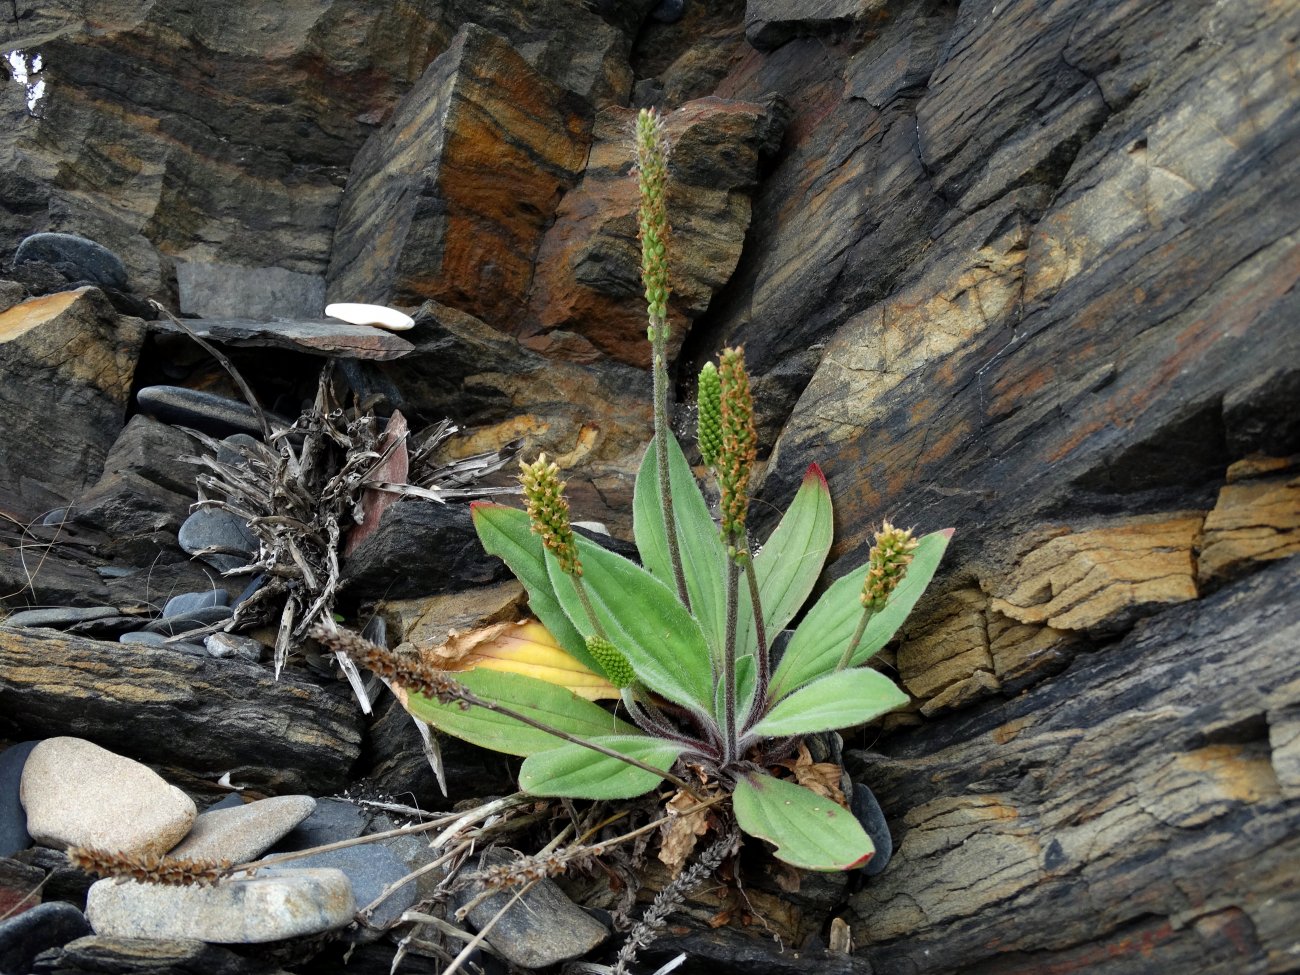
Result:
[324,336]
[59,617]
[92,261]
[45,926]
[212,527]
[13,818]
[218,416]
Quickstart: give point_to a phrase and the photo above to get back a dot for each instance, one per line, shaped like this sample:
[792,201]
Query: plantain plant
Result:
[686,637]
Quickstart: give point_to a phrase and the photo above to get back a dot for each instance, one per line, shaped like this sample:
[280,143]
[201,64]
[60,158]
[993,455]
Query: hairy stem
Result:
[729,665]
[587,608]
[760,630]
[662,433]
[852,648]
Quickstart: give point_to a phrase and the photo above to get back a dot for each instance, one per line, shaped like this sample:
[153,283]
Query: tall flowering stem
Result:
[734,463]
[652,218]
[548,512]
[886,567]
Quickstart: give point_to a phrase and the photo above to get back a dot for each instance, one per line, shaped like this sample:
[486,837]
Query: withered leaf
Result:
[679,835]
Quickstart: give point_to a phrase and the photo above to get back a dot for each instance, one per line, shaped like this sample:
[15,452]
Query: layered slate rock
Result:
[1140,806]
[588,278]
[68,361]
[314,335]
[593,419]
[450,200]
[193,716]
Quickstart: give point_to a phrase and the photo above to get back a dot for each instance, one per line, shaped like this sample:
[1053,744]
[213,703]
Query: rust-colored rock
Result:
[450,200]
[68,361]
[588,280]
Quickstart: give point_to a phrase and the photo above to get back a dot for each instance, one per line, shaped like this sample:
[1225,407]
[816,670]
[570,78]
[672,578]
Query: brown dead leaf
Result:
[451,655]
[822,778]
[679,835]
[393,469]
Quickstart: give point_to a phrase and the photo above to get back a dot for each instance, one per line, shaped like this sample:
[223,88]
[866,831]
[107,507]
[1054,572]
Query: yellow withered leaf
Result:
[525,648]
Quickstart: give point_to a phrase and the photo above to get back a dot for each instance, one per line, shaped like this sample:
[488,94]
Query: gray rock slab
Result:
[92,261]
[78,794]
[94,955]
[240,834]
[216,415]
[310,334]
[154,450]
[108,628]
[371,868]
[274,905]
[13,818]
[331,821]
[60,616]
[214,528]
[145,638]
[45,926]
[211,290]
[188,602]
[542,928]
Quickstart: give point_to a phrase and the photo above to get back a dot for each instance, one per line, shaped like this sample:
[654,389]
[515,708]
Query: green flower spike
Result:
[652,216]
[613,663]
[887,565]
[549,512]
[739,447]
[709,399]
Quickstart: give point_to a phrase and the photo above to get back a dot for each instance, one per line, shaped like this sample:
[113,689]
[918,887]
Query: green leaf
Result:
[788,564]
[507,534]
[550,703]
[580,773]
[809,831]
[703,557]
[825,632]
[842,700]
[643,619]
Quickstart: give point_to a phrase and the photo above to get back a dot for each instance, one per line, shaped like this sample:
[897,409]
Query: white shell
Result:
[377,315]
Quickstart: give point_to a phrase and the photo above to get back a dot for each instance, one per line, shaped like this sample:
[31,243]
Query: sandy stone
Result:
[1253,520]
[78,794]
[1103,578]
[243,833]
[273,905]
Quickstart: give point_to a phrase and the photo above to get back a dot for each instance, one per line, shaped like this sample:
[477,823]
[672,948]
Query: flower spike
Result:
[549,511]
[709,399]
[652,217]
[739,446]
[887,565]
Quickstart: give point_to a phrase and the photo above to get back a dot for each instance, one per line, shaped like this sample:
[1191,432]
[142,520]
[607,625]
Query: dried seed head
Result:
[709,399]
[652,216]
[148,868]
[612,662]
[549,512]
[412,673]
[887,565]
[739,442]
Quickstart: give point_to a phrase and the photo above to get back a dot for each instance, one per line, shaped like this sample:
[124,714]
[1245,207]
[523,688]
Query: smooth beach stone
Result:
[227,645]
[143,638]
[172,625]
[188,602]
[370,868]
[332,820]
[212,527]
[91,261]
[218,416]
[13,818]
[242,833]
[45,926]
[276,904]
[78,794]
[872,817]
[60,616]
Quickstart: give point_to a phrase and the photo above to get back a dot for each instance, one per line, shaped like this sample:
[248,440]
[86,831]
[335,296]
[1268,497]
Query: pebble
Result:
[60,616]
[78,794]
[246,832]
[254,584]
[218,416]
[872,817]
[543,928]
[56,517]
[209,527]
[370,868]
[45,926]
[226,645]
[13,819]
[108,628]
[172,625]
[188,602]
[231,801]
[92,261]
[278,903]
[230,455]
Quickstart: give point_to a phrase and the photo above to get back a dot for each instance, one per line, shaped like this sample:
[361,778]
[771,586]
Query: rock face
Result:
[1023,268]
[449,201]
[68,361]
